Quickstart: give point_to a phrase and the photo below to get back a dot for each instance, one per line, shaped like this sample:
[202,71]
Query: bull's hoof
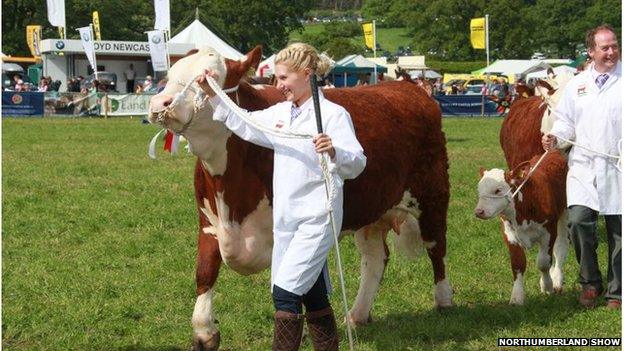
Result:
[558,290]
[356,322]
[206,342]
[444,306]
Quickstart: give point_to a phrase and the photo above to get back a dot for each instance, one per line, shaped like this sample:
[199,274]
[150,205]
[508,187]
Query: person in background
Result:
[18,83]
[129,74]
[43,85]
[148,85]
[328,83]
[590,114]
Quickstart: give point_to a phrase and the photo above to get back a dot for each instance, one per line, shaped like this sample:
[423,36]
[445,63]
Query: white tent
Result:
[429,74]
[557,70]
[199,35]
[514,67]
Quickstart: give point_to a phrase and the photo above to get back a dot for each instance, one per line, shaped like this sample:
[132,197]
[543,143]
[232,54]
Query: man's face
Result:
[606,53]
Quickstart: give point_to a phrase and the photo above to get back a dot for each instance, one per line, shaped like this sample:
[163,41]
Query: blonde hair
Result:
[300,56]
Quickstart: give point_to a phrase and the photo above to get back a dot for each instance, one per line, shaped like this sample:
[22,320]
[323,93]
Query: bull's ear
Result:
[253,57]
[544,88]
[481,172]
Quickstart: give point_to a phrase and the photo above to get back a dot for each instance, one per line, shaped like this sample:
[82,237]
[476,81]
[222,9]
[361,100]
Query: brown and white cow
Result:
[537,215]
[404,187]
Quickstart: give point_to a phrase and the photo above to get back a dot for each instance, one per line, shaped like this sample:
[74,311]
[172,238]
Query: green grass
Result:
[99,253]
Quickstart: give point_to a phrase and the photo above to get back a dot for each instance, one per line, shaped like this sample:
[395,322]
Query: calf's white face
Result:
[182,72]
[492,190]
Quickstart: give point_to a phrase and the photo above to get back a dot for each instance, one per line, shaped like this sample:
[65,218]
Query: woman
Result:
[301,227]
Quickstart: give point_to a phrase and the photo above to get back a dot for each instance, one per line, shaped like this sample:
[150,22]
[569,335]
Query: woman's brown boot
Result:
[288,331]
[323,331]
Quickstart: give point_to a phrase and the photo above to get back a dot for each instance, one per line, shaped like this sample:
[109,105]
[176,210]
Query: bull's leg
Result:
[433,231]
[544,261]
[370,241]
[518,267]
[205,333]
[560,251]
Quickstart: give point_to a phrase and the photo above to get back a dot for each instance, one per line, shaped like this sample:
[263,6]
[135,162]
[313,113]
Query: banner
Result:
[369,34]
[33,37]
[56,12]
[96,26]
[22,103]
[158,51]
[465,105]
[477,33]
[128,104]
[86,37]
[163,22]
[91,104]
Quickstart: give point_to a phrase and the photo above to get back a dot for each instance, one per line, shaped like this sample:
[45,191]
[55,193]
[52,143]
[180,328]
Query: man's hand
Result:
[548,141]
[203,82]
[323,143]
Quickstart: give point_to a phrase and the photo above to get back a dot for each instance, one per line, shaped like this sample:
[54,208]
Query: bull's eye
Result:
[498,191]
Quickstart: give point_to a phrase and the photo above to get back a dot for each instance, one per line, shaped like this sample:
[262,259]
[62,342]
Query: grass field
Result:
[98,253]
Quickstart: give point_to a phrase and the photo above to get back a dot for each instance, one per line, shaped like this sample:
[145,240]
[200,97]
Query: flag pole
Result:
[375,51]
[95,69]
[487,63]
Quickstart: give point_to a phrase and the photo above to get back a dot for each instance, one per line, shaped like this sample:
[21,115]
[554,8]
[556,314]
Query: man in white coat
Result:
[590,114]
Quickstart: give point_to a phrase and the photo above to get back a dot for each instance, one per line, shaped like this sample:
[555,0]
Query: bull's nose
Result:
[160,102]
[480,213]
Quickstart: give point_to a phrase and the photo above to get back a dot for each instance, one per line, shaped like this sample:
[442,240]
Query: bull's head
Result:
[176,107]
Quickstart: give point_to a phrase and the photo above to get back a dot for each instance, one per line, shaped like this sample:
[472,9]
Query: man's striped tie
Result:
[601,79]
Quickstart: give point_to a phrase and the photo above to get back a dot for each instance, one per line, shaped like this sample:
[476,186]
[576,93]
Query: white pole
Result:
[167,37]
[95,69]
[487,60]
[374,51]
[487,39]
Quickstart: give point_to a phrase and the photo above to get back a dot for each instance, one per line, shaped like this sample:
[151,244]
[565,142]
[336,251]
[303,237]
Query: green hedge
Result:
[454,66]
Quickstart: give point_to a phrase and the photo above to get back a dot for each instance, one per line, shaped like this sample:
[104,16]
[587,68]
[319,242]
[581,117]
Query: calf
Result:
[536,215]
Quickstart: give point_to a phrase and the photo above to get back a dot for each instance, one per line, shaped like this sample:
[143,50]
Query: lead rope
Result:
[618,159]
[327,169]
[618,163]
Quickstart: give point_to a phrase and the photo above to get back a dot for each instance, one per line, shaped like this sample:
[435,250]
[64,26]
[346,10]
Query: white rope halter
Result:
[199,102]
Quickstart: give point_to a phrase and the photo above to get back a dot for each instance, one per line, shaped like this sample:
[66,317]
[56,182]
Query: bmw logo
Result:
[60,45]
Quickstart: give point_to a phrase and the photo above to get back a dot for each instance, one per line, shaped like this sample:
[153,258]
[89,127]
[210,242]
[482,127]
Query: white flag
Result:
[158,52]
[86,37]
[161,7]
[56,12]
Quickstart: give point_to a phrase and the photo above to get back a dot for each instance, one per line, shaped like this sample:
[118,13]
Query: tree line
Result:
[437,28]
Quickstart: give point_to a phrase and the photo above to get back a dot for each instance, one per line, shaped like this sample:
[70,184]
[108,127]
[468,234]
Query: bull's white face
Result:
[182,72]
[492,190]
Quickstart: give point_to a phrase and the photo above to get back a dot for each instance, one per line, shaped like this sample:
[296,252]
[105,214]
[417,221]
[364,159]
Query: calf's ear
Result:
[481,172]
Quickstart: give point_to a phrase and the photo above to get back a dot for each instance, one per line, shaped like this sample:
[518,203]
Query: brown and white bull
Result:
[404,187]
[536,215]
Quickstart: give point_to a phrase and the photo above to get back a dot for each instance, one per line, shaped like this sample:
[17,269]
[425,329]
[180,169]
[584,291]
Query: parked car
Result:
[108,79]
[538,56]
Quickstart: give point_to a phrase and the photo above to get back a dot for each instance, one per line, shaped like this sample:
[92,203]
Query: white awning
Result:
[199,35]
